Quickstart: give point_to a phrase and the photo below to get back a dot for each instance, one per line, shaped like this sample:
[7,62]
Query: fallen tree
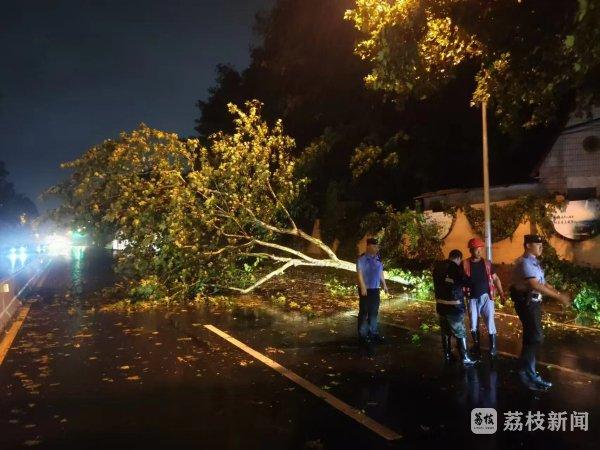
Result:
[193,215]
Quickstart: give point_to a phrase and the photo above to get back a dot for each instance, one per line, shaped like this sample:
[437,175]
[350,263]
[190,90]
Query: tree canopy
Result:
[195,215]
[304,72]
[527,56]
[16,209]
[357,145]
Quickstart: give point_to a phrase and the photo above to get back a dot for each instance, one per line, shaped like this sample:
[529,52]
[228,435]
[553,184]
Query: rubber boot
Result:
[493,349]
[475,335]
[447,348]
[464,356]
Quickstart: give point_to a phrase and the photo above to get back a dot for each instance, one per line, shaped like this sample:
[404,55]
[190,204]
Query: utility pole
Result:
[486,184]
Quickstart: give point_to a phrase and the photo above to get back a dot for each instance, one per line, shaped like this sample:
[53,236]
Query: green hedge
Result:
[583,283]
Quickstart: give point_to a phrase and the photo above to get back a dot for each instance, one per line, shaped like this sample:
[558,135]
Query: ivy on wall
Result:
[506,218]
[407,238]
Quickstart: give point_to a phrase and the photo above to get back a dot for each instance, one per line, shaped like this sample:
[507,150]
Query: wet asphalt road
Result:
[571,347]
[76,377]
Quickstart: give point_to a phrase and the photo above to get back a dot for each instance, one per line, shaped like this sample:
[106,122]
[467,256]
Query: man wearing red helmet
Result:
[484,283]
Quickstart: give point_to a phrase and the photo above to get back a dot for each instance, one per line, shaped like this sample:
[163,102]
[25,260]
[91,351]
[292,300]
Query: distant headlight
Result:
[59,245]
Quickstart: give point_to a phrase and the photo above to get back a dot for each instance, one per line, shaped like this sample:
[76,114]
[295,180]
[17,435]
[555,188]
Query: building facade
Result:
[569,170]
[572,165]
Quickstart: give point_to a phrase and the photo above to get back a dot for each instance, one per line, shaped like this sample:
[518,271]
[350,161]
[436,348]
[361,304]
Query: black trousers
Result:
[368,310]
[530,314]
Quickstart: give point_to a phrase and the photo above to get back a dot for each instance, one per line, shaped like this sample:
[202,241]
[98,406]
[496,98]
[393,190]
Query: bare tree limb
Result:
[276,198]
[268,256]
[345,265]
[318,243]
[227,247]
[285,249]
[279,271]
[298,233]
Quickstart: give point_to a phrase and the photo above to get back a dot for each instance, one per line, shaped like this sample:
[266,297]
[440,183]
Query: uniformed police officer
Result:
[449,280]
[369,269]
[528,286]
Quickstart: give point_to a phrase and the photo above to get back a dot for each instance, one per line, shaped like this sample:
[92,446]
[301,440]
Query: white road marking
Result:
[354,413]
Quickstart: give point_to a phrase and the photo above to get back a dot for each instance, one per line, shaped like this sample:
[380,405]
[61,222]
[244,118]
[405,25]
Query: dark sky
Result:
[76,72]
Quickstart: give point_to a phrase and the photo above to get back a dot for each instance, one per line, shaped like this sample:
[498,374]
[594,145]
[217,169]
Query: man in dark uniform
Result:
[528,286]
[369,270]
[449,280]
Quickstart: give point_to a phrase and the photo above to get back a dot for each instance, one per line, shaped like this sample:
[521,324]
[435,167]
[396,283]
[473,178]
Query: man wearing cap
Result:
[369,269]
[528,286]
[449,279]
[484,283]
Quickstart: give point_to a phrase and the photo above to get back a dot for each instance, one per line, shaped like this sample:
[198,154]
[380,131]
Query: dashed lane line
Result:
[338,404]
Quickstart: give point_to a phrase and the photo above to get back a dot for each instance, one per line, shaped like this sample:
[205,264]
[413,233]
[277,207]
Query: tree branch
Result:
[279,271]
[226,247]
[292,262]
[285,249]
[298,233]
[268,256]
[287,213]
[318,243]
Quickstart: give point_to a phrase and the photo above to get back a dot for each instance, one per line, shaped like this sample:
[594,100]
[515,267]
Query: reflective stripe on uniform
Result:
[448,302]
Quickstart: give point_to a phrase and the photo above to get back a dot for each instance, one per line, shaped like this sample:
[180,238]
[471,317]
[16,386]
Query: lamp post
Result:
[486,184]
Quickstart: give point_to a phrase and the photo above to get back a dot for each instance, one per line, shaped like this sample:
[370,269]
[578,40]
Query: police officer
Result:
[449,280]
[369,269]
[528,286]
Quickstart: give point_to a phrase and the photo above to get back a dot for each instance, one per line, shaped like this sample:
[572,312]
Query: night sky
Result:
[76,72]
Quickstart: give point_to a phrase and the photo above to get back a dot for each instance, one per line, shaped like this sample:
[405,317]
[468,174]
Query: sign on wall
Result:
[579,220]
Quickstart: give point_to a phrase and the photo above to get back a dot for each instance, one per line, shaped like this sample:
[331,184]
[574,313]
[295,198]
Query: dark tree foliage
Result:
[305,72]
[530,55]
[14,207]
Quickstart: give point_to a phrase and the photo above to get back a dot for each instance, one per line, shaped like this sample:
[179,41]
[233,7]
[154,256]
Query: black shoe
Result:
[530,383]
[475,335]
[464,356]
[493,349]
[378,339]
